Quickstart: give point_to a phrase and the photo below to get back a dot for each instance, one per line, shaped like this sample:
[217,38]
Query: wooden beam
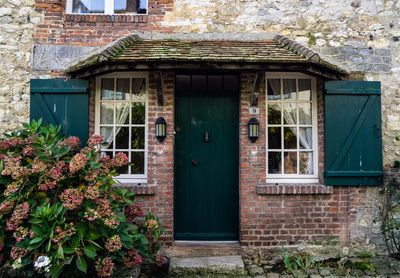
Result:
[103,68]
[158,80]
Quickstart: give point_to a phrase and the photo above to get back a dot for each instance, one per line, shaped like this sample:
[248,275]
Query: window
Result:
[291,128]
[107,6]
[121,117]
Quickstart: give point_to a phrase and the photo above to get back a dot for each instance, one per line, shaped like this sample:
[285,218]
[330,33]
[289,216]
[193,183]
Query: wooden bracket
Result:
[159,88]
[255,94]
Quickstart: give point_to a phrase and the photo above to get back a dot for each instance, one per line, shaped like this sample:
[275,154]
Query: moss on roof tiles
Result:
[133,48]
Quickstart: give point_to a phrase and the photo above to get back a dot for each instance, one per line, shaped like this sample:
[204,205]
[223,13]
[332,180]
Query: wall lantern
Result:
[253,131]
[161,129]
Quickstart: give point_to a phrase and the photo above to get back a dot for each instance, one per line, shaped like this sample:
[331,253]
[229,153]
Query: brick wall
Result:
[274,215]
[57,27]
[157,194]
[269,215]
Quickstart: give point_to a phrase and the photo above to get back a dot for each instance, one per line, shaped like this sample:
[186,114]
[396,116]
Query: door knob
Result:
[195,162]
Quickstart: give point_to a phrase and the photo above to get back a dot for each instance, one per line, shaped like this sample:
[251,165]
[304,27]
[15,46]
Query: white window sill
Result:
[277,181]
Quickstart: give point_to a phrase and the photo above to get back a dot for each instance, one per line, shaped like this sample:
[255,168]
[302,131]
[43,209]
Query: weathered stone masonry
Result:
[362,36]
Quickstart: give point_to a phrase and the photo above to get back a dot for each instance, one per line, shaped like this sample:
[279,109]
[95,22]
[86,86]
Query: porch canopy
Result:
[209,51]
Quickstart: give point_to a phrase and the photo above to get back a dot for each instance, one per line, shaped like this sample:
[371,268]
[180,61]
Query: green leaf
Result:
[35,221]
[55,271]
[35,240]
[38,231]
[48,246]
[81,264]
[69,250]
[60,252]
[90,251]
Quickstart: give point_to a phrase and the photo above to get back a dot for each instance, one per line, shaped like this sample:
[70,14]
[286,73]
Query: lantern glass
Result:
[161,129]
[253,130]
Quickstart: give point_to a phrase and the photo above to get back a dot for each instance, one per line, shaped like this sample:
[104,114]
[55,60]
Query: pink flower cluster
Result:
[132,258]
[113,244]
[17,253]
[73,142]
[151,224]
[38,166]
[133,211]
[20,233]
[20,213]
[95,140]
[106,213]
[71,198]
[14,169]
[92,192]
[77,163]
[6,206]
[12,188]
[47,186]
[11,142]
[61,234]
[104,267]
[119,160]
[28,151]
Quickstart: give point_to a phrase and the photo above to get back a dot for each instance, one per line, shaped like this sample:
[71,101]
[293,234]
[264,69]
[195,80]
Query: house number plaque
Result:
[254,111]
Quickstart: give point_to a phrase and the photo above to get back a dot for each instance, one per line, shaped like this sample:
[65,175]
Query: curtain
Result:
[305,134]
[122,111]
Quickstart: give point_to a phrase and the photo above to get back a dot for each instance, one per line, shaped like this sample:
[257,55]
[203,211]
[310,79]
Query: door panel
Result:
[206,187]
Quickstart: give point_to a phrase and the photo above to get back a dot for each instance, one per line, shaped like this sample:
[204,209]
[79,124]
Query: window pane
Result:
[142,9]
[274,114]
[107,88]
[290,138]
[290,163]
[138,113]
[274,163]
[104,154]
[137,138]
[199,83]
[274,89]
[137,158]
[305,89]
[108,137]
[305,138]
[305,114]
[87,6]
[289,113]
[122,137]
[139,89]
[122,92]
[215,83]
[125,6]
[306,163]
[122,113]
[274,138]
[106,113]
[289,89]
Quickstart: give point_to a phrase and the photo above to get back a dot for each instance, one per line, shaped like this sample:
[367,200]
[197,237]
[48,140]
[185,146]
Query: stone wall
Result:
[17,21]
[359,35]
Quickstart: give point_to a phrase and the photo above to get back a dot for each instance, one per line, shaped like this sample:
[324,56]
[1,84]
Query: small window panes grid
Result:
[122,121]
[290,127]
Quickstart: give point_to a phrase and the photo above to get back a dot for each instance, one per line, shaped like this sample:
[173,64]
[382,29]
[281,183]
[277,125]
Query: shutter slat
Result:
[353,143]
[62,102]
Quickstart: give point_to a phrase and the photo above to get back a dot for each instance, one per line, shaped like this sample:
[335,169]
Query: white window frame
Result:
[294,178]
[108,9]
[126,178]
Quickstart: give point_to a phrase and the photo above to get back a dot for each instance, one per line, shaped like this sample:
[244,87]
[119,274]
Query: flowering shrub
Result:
[60,214]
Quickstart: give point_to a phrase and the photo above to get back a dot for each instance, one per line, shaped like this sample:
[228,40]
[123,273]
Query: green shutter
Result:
[353,139]
[62,102]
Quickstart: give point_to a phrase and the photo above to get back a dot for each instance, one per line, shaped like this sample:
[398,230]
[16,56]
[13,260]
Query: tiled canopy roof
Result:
[135,49]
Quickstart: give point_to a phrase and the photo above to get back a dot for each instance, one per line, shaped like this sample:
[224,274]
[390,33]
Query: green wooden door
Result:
[206,162]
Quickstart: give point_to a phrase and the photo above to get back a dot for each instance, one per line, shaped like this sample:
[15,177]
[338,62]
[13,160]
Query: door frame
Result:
[237,96]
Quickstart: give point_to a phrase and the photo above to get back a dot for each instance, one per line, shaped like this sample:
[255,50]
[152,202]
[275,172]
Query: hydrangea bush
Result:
[59,212]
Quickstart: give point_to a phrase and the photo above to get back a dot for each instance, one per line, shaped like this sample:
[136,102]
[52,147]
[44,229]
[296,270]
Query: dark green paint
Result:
[353,139]
[206,174]
[61,102]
